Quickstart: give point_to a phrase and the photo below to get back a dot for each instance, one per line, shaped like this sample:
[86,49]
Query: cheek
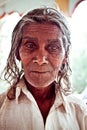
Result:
[56,62]
[57,59]
[24,57]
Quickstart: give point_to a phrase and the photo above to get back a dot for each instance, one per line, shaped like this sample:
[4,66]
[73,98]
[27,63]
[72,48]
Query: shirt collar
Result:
[59,100]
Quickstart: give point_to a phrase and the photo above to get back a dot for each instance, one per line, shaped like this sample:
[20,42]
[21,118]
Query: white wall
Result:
[24,5]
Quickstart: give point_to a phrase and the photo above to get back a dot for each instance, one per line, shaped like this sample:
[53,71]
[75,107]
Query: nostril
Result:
[45,60]
[41,61]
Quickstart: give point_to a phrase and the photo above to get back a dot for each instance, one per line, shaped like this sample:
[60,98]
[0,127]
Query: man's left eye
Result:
[53,47]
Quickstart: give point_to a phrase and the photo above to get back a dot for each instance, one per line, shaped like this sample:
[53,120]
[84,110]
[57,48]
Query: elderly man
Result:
[38,70]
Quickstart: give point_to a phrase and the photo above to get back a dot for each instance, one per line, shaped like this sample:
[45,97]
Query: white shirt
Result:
[23,113]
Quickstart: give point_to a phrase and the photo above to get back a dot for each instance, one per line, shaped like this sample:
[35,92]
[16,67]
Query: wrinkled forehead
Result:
[42,28]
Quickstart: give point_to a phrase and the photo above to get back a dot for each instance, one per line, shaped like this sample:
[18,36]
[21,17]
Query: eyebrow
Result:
[30,38]
[49,40]
[55,41]
[59,40]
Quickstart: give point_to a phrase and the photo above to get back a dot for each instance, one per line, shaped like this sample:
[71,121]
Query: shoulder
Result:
[2,98]
[79,109]
[77,103]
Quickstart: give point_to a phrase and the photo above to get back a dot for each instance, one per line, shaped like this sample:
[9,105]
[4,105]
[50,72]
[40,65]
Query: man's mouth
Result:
[40,72]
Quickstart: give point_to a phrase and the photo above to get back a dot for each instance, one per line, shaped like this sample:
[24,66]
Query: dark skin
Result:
[45,98]
[42,54]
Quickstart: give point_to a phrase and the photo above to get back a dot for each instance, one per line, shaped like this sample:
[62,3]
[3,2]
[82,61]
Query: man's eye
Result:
[53,48]
[30,45]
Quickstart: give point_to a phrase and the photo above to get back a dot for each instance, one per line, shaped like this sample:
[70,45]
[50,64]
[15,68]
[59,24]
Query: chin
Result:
[40,85]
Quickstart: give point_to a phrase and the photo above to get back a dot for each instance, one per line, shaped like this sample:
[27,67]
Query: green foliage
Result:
[79,70]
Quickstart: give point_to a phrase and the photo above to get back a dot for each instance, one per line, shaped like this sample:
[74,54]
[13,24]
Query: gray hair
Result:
[39,15]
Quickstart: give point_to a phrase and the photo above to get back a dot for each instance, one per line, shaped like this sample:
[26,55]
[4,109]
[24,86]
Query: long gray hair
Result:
[12,71]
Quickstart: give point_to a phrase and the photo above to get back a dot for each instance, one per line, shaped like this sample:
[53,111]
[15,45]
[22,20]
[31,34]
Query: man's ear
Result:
[64,60]
[17,55]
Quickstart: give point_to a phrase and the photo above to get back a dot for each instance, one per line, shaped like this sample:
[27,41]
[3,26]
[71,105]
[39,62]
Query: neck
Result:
[44,97]
[41,93]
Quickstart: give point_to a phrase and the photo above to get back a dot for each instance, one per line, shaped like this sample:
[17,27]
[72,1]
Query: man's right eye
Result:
[30,45]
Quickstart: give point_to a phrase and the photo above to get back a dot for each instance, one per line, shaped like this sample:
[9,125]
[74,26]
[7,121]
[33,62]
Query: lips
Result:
[40,69]
[41,72]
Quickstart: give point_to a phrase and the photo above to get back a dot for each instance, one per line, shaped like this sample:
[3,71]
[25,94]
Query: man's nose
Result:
[41,60]
[41,56]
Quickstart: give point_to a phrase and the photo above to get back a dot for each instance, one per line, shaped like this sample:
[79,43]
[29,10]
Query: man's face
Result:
[42,53]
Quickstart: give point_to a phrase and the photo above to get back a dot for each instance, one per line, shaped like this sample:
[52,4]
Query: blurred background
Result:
[75,11]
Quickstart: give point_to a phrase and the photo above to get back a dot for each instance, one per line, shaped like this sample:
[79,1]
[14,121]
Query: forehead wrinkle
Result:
[28,37]
[37,27]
